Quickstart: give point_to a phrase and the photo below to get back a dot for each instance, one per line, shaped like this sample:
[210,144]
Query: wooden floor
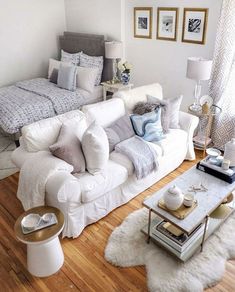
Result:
[85,268]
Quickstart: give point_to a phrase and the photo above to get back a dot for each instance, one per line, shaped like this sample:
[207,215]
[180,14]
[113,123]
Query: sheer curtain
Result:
[222,85]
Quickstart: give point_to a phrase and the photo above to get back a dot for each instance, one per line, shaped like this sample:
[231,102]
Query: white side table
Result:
[114,87]
[44,252]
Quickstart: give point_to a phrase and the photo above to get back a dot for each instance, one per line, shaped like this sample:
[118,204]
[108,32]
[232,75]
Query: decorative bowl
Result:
[31,221]
[47,217]
[213,152]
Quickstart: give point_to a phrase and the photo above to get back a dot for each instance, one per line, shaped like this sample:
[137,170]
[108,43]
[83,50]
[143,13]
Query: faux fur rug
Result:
[127,247]
[7,145]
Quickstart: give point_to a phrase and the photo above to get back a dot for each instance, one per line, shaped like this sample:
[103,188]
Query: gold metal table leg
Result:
[149,224]
[204,234]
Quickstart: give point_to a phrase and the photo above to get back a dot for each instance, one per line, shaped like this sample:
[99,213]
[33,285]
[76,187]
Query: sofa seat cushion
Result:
[175,139]
[94,186]
[125,161]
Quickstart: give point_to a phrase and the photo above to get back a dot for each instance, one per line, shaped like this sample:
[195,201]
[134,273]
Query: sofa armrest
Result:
[189,123]
[64,187]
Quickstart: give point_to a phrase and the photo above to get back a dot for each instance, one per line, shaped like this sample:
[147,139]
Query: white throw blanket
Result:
[141,154]
[34,175]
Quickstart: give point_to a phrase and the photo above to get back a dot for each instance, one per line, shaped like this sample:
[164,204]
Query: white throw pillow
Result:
[95,147]
[86,78]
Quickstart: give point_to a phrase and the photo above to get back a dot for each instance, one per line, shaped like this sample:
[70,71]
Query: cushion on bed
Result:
[73,59]
[67,76]
[93,62]
[42,134]
[54,76]
[68,146]
[86,78]
[53,64]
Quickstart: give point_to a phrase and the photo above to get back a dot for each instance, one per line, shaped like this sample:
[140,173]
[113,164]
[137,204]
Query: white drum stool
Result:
[44,253]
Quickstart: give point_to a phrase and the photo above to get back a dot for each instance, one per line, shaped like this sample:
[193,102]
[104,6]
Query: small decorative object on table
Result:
[229,153]
[173,198]
[125,69]
[33,222]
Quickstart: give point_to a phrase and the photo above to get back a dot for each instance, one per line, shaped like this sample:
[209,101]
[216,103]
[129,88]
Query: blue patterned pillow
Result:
[73,59]
[148,126]
[93,62]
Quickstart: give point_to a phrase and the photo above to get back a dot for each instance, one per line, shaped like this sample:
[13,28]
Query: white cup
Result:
[188,200]
[225,164]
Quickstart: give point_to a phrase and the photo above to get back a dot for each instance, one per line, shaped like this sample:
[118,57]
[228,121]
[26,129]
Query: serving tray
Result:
[180,213]
[42,224]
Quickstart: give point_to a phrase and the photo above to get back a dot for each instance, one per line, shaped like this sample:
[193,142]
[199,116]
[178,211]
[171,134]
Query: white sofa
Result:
[85,198]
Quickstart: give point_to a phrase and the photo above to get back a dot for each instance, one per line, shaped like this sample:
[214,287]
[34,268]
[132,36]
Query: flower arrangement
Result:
[124,67]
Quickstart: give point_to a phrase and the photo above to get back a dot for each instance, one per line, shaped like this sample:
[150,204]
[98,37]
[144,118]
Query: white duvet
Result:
[34,175]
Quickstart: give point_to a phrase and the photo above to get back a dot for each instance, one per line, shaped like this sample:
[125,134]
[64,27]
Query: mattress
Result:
[33,100]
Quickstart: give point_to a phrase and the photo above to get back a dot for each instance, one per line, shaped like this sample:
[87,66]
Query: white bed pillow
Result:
[72,59]
[95,147]
[86,78]
[53,64]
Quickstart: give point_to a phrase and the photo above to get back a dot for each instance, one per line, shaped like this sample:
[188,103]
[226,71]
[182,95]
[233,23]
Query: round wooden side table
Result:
[44,252]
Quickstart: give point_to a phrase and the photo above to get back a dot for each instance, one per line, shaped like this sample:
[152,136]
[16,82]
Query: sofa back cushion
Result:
[138,94]
[105,112]
[42,134]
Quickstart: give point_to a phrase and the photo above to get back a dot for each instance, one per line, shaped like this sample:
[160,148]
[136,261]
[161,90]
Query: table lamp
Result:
[113,50]
[198,69]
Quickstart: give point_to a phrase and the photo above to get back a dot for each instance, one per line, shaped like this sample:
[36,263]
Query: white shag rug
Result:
[127,247]
[7,145]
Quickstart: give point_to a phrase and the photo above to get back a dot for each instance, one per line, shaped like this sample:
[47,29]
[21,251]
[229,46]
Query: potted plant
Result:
[125,69]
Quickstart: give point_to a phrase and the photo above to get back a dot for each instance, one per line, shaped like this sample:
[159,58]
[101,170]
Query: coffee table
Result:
[208,201]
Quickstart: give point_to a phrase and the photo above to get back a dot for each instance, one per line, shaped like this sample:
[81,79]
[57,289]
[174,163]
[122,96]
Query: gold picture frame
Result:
[195,25]
[167,23]
[143,22]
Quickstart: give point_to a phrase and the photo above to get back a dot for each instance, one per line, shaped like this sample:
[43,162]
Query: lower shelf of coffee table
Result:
[213,224]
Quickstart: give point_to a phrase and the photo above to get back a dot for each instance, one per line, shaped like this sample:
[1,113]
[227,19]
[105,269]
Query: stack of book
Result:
[200,141]
[217,171]
[181,242]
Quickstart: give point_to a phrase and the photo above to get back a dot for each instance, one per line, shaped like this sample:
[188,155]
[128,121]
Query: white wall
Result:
[96,16]
[165,61]
[28,37]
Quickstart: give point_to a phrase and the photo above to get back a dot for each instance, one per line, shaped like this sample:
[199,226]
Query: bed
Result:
[31,100]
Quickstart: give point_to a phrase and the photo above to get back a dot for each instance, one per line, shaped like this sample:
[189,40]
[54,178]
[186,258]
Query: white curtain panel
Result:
[222,85]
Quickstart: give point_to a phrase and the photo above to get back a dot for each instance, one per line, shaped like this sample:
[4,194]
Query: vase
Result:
[125,78]
[173,198]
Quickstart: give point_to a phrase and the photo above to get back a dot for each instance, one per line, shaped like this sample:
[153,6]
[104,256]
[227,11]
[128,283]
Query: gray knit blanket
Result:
[141,154]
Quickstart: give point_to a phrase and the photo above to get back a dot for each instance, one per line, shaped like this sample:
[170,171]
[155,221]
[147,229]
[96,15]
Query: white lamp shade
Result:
[199,68]
[113,50]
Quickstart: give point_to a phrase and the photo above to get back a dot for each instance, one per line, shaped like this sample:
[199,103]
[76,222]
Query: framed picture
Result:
[195,25]
[143,22]
[167,23]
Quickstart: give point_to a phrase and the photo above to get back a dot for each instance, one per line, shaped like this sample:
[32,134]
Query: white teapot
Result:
[173,198]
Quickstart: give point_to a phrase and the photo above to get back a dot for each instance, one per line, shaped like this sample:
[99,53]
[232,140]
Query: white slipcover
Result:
[84,198]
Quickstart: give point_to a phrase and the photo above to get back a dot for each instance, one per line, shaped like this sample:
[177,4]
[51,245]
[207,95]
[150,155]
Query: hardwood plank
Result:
[85,268]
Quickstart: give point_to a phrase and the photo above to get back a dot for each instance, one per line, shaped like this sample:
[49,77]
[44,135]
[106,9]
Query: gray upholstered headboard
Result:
[90,44]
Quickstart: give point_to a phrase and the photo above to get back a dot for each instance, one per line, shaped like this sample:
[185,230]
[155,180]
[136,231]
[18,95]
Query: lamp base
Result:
[195,107]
